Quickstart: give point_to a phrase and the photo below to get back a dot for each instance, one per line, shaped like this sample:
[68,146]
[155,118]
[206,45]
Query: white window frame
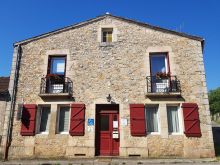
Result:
[158,118]
[58,119]
[180,117]
[162,54]
[38,120]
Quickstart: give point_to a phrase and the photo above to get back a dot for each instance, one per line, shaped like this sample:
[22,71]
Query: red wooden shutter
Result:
[191,120]
[28,120]
[77,122]
[137,120]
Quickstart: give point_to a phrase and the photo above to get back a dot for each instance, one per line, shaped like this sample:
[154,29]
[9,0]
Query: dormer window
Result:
[107,34]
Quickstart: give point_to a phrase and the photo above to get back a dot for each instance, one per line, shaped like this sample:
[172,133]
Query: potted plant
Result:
[55,78]
[162,75]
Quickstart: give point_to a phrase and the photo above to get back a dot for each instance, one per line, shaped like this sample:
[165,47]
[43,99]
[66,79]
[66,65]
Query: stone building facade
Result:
[111,73]
[4,98]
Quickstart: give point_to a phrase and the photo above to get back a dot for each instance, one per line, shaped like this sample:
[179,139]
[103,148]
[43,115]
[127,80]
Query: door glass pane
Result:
[104,122]
[158,64]
[45,118]
[57,65]
[64,119]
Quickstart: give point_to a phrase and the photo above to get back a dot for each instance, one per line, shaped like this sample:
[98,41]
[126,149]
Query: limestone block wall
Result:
[119,69]
[2,115]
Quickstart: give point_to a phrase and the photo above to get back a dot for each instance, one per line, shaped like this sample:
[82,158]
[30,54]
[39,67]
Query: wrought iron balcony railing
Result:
[56,86]
[167,85]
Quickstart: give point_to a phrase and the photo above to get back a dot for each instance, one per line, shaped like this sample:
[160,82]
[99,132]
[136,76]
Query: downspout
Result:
[12,106]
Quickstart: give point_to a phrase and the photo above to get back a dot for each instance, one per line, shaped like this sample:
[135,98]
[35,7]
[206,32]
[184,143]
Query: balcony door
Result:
[56,74]
[159,66]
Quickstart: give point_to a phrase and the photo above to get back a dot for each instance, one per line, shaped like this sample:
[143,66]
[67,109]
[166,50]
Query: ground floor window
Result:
[63,119]
[43,117]
[152,118]
[173,119]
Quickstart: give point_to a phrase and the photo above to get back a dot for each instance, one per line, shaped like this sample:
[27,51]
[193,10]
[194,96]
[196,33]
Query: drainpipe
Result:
[12,104]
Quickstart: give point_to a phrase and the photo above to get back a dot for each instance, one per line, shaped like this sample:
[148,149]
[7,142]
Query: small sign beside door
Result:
[115,124]
[115,135]
[90,122]
[124,122]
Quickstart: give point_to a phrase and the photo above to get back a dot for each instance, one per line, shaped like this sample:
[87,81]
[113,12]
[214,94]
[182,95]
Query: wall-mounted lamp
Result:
[109,98]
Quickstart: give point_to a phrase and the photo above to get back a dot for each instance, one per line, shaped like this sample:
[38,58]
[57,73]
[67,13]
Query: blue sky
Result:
[26,18]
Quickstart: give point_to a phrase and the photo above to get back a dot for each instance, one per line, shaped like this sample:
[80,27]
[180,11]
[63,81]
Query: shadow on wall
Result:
[216,137]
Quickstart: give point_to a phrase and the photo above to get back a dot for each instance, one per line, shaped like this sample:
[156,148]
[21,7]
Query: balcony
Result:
[56,86]
[163,87]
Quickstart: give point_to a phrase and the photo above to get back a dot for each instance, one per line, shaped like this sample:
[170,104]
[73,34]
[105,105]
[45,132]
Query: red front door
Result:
[107,120]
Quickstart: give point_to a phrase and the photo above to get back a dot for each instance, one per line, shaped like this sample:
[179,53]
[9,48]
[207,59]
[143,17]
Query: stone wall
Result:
[119,69]
[2,115]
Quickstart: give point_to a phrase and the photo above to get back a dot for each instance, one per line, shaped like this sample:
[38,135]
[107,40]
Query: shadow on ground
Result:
[216,137]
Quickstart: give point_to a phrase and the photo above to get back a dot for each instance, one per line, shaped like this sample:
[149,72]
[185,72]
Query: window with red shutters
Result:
[77,120]
[191,120]
[28,120]
[137,120]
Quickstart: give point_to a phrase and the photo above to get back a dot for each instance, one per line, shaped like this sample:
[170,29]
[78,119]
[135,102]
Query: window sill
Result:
[43,133]
[63,133]
[106,44]
[175,134]
[153,133]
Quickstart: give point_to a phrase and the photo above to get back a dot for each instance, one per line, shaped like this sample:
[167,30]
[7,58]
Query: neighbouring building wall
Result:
[119,69]
[2,115]
[4,98]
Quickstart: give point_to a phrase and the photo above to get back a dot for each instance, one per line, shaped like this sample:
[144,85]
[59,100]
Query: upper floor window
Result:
[159,63]
[55,82]
[160,75]
[57,65]
[107,34]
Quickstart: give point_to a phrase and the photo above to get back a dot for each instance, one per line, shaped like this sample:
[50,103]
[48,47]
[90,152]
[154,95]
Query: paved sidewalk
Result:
[112,161]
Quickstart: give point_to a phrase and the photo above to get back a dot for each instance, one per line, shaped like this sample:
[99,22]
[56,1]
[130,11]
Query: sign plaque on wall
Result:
[90,122]
[124,122]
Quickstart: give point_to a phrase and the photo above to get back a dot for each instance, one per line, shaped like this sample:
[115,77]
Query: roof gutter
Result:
[13,93]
